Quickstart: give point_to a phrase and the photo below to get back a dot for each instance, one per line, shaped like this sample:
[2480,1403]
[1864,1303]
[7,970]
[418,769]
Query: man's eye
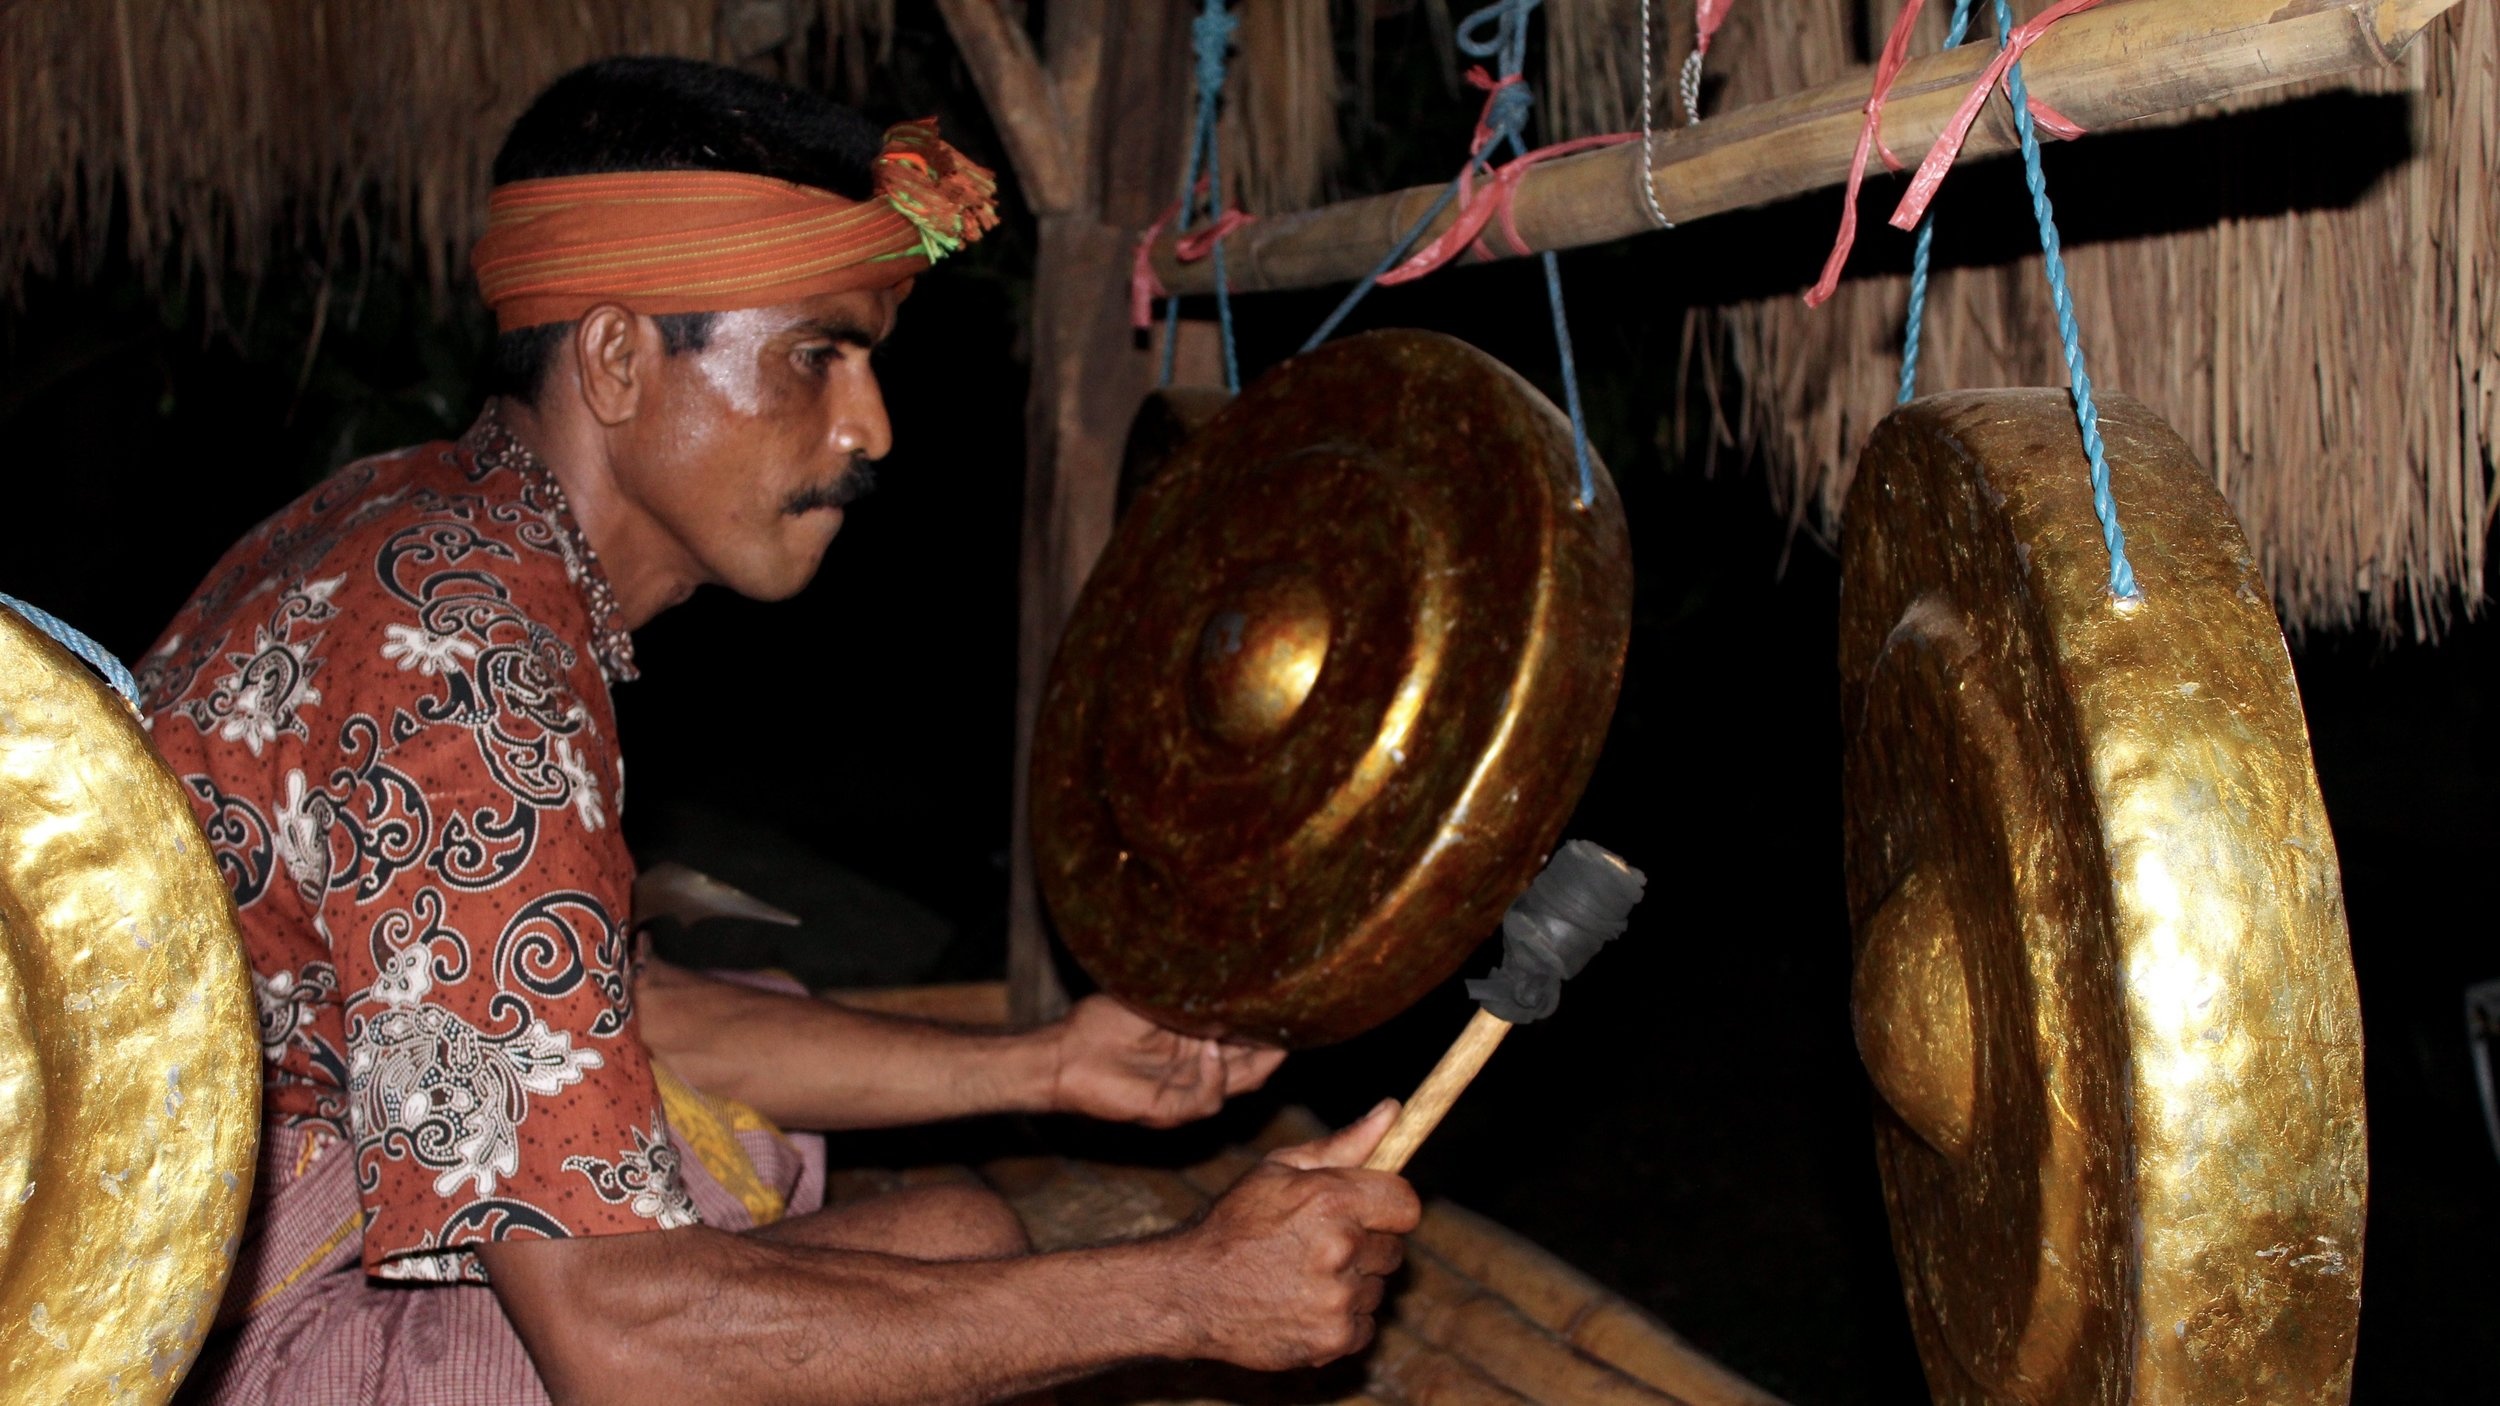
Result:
[817,358]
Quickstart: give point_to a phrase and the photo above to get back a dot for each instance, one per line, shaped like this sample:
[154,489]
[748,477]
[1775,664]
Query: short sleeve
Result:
[476,902]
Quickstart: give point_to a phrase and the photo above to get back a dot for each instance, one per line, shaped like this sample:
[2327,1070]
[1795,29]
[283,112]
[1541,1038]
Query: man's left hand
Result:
[1115,1064]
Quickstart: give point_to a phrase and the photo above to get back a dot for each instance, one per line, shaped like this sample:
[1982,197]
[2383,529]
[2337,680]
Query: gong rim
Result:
[129,1060]
[1330,694]
[2102,979]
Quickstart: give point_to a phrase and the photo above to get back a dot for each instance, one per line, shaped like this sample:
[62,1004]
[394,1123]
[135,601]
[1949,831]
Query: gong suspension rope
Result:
[1508,103]
[1924,254]
[2087,415]
[1210,37]
[1916,212]
[68,637]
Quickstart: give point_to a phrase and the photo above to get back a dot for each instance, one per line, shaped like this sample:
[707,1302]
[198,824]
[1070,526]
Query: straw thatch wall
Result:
[209,134]
[2333,354]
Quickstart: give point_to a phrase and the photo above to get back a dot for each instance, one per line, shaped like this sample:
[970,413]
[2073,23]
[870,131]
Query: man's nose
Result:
[860,427]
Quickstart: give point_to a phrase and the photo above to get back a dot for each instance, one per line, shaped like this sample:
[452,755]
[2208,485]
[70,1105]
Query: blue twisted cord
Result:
[1506,117]
[68,637]
[2121,574]
[1919,261]
[1210,38]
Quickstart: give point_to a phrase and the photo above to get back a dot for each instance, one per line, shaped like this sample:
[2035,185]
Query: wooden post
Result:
[1113,76]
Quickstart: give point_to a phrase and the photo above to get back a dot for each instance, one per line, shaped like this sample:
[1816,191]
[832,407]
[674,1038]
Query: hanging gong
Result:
[2102,981]
[1331,693]
[129,1058]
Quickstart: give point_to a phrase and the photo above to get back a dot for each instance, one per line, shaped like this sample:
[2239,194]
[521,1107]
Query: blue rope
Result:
[2121,575]
[1210,37]
[1919,261]
[1498,32]
[97,656]
[1397,253]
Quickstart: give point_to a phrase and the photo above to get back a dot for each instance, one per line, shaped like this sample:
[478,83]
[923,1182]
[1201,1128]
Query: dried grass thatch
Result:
[208,134]
[1593,66]
[2337,359]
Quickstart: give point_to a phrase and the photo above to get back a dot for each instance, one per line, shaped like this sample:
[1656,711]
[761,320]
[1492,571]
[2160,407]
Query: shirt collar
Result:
[492,445]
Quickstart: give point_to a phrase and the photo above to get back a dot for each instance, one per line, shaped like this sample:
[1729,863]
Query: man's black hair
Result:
[662,114]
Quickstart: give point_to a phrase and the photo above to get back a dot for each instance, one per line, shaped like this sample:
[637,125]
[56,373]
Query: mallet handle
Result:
[1438,1091]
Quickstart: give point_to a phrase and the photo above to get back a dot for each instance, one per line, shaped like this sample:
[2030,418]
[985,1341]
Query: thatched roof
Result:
[209,134]
[2334,355]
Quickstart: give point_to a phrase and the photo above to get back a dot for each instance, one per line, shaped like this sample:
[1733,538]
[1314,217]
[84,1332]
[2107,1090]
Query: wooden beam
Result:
[2122,62]
[1022,101]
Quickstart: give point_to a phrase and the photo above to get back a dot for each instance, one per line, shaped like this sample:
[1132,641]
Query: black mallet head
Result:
[1581,901]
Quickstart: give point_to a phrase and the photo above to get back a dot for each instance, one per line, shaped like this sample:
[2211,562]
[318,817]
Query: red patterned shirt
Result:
[390,706]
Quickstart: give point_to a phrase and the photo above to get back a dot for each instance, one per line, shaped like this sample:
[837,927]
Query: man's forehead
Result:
[859,314]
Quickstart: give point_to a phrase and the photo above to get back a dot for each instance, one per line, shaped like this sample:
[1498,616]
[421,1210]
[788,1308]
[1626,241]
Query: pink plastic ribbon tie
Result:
[1708,15]
[1143,286]
[1478,205]
[1948,147]
[1888,66]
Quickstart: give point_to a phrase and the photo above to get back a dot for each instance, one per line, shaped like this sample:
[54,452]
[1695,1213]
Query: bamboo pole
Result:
[2122,62]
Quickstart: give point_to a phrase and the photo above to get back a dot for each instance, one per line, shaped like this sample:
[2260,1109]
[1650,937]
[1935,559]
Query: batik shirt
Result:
[390,706]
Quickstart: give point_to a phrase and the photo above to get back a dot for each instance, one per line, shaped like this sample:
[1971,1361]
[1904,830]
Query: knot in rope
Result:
[1508,104]
[1202,183]
[1211,37]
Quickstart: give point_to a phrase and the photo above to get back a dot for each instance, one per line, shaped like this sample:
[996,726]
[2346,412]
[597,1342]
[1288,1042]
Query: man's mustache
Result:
[856,482]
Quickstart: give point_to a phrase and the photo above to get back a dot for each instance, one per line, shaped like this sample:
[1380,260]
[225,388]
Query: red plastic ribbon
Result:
[1888,68]
[1143,286]
[1198,243]
[1477,206]
[1940,157]
[1708,15]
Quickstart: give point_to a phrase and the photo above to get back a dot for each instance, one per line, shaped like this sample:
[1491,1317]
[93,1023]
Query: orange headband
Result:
[712,241]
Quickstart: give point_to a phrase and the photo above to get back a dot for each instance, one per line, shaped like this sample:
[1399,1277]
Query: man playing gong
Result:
[504,1160]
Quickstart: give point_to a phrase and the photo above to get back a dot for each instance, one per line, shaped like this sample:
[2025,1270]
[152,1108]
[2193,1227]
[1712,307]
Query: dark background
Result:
[1694,1130]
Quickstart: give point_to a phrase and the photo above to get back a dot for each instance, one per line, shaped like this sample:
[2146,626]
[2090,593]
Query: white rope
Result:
[1649,137]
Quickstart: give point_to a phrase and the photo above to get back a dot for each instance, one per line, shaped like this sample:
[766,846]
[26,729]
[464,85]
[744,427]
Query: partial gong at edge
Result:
[1331,693]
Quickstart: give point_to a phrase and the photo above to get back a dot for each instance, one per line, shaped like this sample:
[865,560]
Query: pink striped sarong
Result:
[303,1326]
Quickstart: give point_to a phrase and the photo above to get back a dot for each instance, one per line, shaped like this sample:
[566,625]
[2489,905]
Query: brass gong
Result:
[2102,980]
[1330,694]
[129,1060]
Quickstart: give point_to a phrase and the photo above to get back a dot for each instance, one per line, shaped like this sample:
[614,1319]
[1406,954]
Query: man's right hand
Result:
[1295,1256]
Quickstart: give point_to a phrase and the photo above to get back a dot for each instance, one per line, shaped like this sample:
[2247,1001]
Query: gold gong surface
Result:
[2102,981]
[1331,693]
[129,1058]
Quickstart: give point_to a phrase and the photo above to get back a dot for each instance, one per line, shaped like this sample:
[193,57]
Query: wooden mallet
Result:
[1581,901]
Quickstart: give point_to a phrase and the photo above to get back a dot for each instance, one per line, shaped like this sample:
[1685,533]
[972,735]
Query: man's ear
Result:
[614,350]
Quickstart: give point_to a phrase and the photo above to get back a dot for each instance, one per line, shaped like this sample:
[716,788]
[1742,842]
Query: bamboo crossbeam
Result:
[2122,62]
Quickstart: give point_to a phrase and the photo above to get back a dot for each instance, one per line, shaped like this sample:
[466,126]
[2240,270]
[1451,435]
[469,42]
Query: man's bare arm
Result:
[1285,1271]
[811,1064]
